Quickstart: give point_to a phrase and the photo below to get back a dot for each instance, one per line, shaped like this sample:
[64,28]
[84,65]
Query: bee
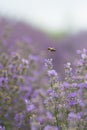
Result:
[51,49]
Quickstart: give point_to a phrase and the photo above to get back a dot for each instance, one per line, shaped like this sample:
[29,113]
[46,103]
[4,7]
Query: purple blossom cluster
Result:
[67,98]
[22,92]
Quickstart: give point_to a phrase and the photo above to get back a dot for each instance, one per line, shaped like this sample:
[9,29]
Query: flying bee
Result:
[51,49]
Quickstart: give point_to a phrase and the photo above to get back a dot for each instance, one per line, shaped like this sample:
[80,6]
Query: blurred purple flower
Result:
[3,80]
[49,127]
[49,115]
[65,85]
[72,95]
[74,116]
[40,119]
[52,73]
[30,107]
[19,118]
[26,62]
[2,128]
[52,93]
[81,103]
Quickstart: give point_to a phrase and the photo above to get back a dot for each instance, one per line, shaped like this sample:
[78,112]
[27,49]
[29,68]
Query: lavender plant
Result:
[67,99]
[27,103]
[21,96]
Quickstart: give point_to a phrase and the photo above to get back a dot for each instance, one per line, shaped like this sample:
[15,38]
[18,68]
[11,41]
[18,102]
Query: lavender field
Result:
[42,90]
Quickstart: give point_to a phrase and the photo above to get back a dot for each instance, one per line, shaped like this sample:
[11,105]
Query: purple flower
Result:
[83,56]
[19,117]
[81,103]
[40,119]
[74,116]
[25,62]
[72,95]
[72,102]
[49,91]
[84,50]
[74,85]
[71,98]
[85,85]
[30,107]
[35,93]
[3,80]
[79,114]
[10,66]
[48,63]
[86,76]
[65,85]
[52,93]
[2,128]
[49,116]
[52,73]
[80,85]
[49,127]
[71,115]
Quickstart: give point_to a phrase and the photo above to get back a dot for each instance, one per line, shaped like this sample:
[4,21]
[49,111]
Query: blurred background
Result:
[48,15]
[61,24]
